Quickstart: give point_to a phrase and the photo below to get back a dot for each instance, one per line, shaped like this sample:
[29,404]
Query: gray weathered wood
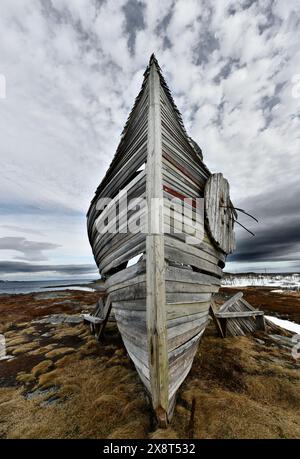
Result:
[237,317]
[156,296]
[92,319]
[238,314]
[218,210]
[161,305]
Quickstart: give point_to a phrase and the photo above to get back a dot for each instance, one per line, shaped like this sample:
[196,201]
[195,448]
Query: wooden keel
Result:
[155,259]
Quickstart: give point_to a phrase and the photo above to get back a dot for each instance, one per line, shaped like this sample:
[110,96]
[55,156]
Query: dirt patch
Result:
[11,368]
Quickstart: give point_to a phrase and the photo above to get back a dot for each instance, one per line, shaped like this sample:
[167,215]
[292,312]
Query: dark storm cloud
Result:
[134,15]
[277,235]
[31,250]
[281,202]
[14,267]
[279,242]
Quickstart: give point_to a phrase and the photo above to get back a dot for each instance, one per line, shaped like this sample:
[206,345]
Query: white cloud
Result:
[71,81]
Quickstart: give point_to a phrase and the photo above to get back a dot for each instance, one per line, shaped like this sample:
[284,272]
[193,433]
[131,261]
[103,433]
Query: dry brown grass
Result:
[25,378]
[23,348]
[43,350]
[239,395]
[59,352]
[239,389]
[13,342]
[93,407]
[42,367]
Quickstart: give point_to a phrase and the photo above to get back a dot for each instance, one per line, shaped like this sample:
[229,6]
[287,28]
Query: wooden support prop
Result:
[155,260]
[92,319]
[99,318]
[241,319]
[213,312]
[99,329]
[238,314]
[260,322]
[223,323]
[95,314]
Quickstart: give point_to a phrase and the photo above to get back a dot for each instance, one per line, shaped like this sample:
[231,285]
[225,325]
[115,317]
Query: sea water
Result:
[15,287]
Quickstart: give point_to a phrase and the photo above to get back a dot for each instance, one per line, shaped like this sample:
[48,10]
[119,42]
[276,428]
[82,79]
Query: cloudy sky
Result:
[72,71]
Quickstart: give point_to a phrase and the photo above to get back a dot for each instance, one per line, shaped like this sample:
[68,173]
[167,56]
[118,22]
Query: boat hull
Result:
[187,301]
[161,303]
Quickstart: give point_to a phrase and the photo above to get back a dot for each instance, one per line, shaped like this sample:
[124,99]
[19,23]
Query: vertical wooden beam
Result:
[212,311]
[105,313]
[260,322]
[155,261]
[223,323]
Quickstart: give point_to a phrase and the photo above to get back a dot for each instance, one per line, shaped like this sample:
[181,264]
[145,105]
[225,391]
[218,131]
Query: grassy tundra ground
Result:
[62,384]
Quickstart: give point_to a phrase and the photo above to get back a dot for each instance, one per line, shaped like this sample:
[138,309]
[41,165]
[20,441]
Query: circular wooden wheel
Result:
[219,213]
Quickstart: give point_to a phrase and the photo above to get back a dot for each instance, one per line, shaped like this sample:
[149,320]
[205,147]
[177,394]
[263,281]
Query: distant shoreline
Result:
[24,287]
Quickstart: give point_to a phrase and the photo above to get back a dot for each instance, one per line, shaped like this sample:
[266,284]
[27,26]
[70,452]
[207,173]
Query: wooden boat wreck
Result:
[161,303]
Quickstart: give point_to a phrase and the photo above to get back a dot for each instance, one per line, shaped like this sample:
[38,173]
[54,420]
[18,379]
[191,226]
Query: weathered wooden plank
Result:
[104,314]
[156,313]
[134,305]
[126,274]
[182,333]
[187,318]
[140,355]
[132,250]
[217,322]
[175,310]
[92,319]
[180,376]
[133,292]
[260,322]
[136,336]
[190,249]
[238,314]
[180,169]
[178,287]
[137,362]
[188,297]
[174,254]
[181,349]
[188,189]
[245,303]
[127,283]
[176,274]
[183,360]
[230,302]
